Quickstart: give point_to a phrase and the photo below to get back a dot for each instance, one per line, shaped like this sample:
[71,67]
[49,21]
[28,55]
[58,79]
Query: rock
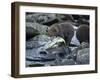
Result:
[34,56]
[40,28]
[75,50]
[42,38]
[81,19]
[83,56]
[84,45]
[41,59]
[31,32]
[68,62]
[60,51]
[42,18]
[44,42]
[46,50]
[65,17]
[30,18]
[37,41]
[50,22]
[47,19]
[54,42]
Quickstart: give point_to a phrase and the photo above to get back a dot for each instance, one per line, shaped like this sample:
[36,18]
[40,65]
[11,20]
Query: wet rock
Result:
[37,41]
[68,62]
[44,42]
[65,17]
[41,59]
[48,58]
[83,56]
[81,19]
[46,50]
[34,56]
[84,45]
[75,50]
[41,18]
[40,28]
[30,18]
[47,19]
[31,32]
[50,22]
[60,51]
[42,38]
[54,42]
[81,46]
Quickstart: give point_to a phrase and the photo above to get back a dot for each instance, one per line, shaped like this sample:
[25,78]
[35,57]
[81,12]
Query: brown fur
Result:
[64,30]
[82,33]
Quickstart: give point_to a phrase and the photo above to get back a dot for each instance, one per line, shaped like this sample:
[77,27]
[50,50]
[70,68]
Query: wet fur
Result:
[64,30]
[82,33]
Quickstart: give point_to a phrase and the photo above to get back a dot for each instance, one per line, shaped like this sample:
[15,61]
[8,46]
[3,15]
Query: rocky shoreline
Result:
[45,50]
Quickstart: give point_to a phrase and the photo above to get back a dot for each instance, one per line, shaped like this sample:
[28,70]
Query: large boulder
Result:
[41,18]
[40,28]
[46,50]
[64,17]
[44,42]
[31,32]
[83,56]
[37,41]
[80,54]
[68,62]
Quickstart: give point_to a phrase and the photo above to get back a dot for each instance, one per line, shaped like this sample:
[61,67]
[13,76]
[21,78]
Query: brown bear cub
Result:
[64,30]
[82,33]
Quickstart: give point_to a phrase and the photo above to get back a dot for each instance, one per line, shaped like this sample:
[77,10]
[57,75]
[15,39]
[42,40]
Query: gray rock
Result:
[44,42]
[37,41]
[31,32]
[47,19]
[68,62]
[79,47]
[30,18]
[46,50]
[54,42]
[65,17]
[41,18]
[40,28]
[75,50]
[84,45]
[83,56]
